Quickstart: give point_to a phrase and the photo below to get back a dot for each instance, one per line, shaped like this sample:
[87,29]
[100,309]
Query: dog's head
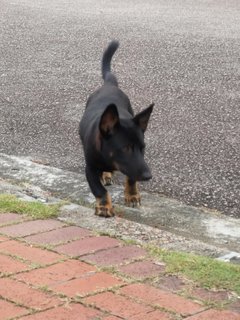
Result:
[122,142]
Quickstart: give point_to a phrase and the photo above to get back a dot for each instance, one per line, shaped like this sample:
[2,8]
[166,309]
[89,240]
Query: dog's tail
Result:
[107,75]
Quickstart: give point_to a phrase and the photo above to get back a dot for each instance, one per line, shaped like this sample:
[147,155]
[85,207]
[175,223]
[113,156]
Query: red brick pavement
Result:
[73,311]
[118,305]
[115,256]
[32,254]
[56,274]
[215,314]
[10,218]
[59,236]
[142,269]
[3,239]
[167,300]
[87,245]
[37,283]
[23,294]
[10,265]
[10,310]
[30,227]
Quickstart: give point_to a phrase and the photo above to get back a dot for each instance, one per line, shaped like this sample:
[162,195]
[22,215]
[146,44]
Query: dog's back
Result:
[108,94]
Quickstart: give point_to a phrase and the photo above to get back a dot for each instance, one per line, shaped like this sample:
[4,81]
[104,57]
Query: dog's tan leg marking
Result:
[107,178]
[104,206]
[131,193]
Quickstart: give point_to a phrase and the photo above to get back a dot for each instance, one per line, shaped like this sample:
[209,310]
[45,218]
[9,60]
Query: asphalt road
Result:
[181,54]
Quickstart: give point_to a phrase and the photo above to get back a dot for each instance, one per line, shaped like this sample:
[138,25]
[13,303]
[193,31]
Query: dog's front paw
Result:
[104,211]
[104,206]
[131,194]
[133,200]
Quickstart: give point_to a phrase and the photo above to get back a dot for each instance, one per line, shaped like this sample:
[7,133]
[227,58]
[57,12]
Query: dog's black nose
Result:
[146,176]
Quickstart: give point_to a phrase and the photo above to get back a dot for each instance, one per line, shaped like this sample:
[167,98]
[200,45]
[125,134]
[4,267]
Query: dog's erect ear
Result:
[109,120]
[141,119]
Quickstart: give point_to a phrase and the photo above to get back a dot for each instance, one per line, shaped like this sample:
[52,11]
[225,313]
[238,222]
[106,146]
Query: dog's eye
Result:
[128,148]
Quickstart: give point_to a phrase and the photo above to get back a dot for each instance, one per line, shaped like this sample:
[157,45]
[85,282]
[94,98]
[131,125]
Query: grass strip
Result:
[205,271]
[34,209]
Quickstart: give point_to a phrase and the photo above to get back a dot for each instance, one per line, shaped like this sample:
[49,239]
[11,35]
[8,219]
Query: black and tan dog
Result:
[113,139]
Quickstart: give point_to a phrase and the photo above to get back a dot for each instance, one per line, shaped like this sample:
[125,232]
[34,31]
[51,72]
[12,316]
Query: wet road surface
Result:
[183,55]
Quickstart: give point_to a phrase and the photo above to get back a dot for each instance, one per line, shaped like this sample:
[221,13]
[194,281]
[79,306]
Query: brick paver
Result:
[88,284]
[171,283]
[10,265]
[7,218]
[10,310]
[154,315]
[56,274]
[215,314]
[26,296]
[59,236]
[112,318]
[235,306]
[162,298]
[2,238]
[71,311]
[142,269]
[30,227]
[35,255]
[118,305]
[88,245]
[213,296]
[115,256]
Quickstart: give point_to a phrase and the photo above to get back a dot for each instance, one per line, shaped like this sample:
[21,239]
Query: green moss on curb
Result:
[36,210]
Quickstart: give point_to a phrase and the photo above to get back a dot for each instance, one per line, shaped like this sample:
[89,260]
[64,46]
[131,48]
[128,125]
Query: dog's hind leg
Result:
[131,193]
[103,206]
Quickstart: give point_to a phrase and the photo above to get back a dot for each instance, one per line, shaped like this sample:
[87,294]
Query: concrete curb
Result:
[178,226]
